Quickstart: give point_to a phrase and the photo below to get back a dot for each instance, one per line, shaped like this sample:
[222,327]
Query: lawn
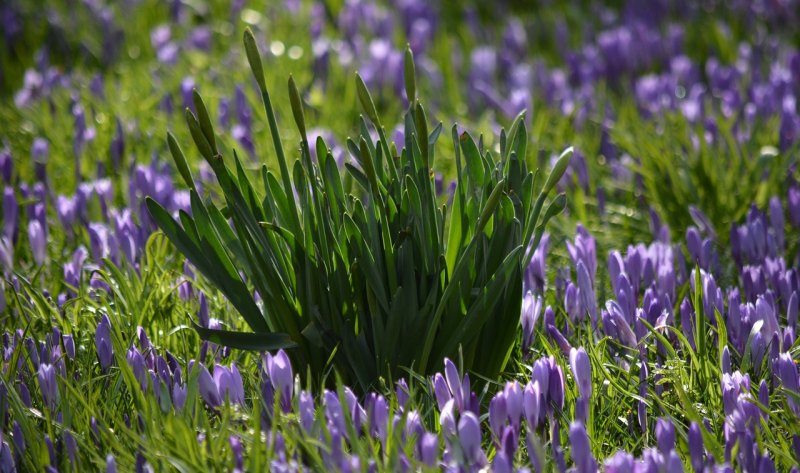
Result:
[399,236]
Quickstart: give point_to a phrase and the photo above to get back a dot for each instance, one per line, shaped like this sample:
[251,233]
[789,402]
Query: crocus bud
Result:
[532,399]
[454,383]
[402,393]
[6,166]
[695,443]
[179,392]
[38,241]
[10,214]
[793,202]
[117,147]
[111,464]
[497,414]
[556,388]
[572,304]
[588,299]
[429,449]
[469,434]
[531,309]
[787,372]
[279,369]
[102,340]
[620,462]
[726,360]
[763,398]
[208,388]
[665,435]
[48,385]
[581,449]
[305,405]
[582,370]
[513,395]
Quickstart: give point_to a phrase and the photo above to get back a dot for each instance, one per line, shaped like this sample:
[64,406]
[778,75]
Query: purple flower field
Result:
[342,235]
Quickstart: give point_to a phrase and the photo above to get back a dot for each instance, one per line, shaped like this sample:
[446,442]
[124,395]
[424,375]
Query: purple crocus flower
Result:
[102,340]
[582,370]
[48,385]
[117,147]
[179,392]
[531,309]
[208,388]
[535,274]
[581,449]
[6,165]
[695,443]
[10,214]
[111,464]
[787,372]
[469,435]
[6,458]
[305,405]
[38,241]
[497,414]
[665,436]
[279,369]
[532,404]
[620,462]
[428,447]
[793,204]
[587,294]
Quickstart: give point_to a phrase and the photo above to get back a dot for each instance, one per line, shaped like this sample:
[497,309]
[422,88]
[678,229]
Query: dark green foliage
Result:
[378,280]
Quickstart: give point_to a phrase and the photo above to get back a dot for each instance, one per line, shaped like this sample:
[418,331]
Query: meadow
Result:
[403,235]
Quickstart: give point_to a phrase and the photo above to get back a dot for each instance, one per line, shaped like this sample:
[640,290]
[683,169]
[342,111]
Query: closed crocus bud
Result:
[531,309]
[208,388]
[102,340]
[532,399]
[556,388]
[38,241]
[69,346]
[137,364]
[758,349]
[179,392]
[402,393]
[513,395]
[111,464]
[447,418]
[588,299]
[572,303]
[791,311]
[582,371]
[695,443]
[6,165]
[428,446]
[620,462]
[497,415]
[763,398]
[279,369]
[48,385]
[559,339]
[117,147]
[469,434]
[793,203]
[726,360]
[665,435]
[440,390]
[581,449]
[787,372]
[454,383]
[305,404]
[10,214]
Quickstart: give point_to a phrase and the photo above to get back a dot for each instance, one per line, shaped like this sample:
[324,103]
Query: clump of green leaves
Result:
[373,281]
